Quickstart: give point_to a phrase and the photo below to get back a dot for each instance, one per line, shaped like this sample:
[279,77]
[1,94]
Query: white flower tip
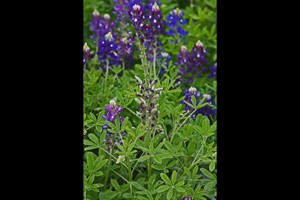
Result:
[85,47]
[155,7]
[199,44]
[164,54]
[120,159]
[112,103]
[106,16]
[177,12]
[192,89]
[183,48]
[207,96]
[135,7]
[96,13]
[108,36]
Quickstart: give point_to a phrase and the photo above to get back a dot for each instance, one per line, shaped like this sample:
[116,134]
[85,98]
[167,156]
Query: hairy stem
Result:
[107,63]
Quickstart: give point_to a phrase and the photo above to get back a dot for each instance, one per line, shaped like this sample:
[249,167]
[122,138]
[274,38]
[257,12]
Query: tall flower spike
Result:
[86,53]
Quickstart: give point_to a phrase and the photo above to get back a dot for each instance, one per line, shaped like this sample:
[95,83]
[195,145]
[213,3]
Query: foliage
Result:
[172,154]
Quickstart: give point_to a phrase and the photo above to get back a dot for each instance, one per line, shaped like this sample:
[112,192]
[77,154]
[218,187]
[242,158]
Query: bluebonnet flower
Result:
[132,3]
[166,59]
[96,25]
[197,60]
[150,4]
[183,60]
[107,49]
[192,91]
[122,19]
[175,21]
[206,110]
[86,53]
[125,51]
[113,111]
[213,70]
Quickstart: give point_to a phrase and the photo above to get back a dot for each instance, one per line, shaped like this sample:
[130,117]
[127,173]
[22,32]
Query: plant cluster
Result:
[150,100]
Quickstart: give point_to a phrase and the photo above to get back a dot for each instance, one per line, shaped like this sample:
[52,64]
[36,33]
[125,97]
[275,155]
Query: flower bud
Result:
[106,17]
[164,54]
[136,7]
[85,47]
[199,44]
[137,100]
[207,96]
[183,48]
[120,159]
[156,105]
[108,37]
[138,80]
[124,40]
[155,97]
[192,90]
[155,7]
[158,89]
[153,110]
[112,103]
[96,13]
[177,12]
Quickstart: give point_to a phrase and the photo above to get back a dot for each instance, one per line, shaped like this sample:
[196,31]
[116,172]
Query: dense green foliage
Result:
[180,158]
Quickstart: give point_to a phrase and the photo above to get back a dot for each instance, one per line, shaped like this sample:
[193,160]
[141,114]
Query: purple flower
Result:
[86,53]
[213,70]
[197,59]
[112,112]
[175,21]
[106,50]
[187,198]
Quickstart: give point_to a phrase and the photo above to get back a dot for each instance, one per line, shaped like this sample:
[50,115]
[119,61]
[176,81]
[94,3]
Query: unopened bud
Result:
[96,13]
[155,7]
[199,44]
[192,90]
[120,159]
[164,54]
[207,96]
[136,7]
[153,110]
[137,100]
[124,40]
[108,37]
[85,47]
[177,12]
[183,48]
[106,17]
[112,103]
[156,105]
[138,80]
[158,89]
[155,97]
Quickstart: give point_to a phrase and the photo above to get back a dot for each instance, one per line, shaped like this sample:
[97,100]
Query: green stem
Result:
[109,164]
[149,169]
[94,66]
[181,125]
[123,63]
[129,169]
[107,63]
[154,61]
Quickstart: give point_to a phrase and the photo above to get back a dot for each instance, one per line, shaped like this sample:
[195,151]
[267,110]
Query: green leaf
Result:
[117,121]
[91,179]
[120,97]
[195,170]
[149,195]
[170,194]
[94,138]
[207,173]
[115,184]
[174,177]
[157,159]
[165,178]
[124,123]
[90,160]
[112,125]
[168,145]
[187,172]
[179,189]
[158,148]
[212,166]
[100,164]
[120,147]
[141,197]
[87,142]
[194,100]
[103,136]
[137,185]
[98,128]
[143,158]
[164,155]
[210,185]
[162,188]
[126,196]
[179,183]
